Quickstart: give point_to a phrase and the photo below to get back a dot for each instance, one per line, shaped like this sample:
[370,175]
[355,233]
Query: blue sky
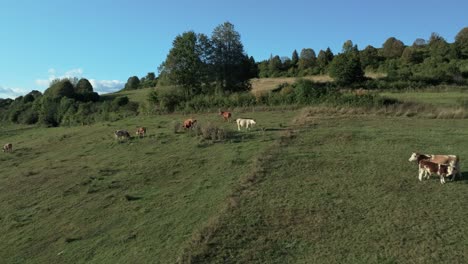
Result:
[108,41]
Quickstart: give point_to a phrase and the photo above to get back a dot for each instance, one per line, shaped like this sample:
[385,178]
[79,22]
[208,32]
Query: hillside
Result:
[316,185]
[76,195]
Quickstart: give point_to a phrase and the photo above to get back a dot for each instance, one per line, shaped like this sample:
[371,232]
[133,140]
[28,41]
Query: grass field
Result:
[443,99]
[305,186]
[342,191]
[75,195]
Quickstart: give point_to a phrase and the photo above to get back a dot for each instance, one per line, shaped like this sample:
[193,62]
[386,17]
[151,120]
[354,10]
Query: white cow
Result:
[8,147]
[245,122]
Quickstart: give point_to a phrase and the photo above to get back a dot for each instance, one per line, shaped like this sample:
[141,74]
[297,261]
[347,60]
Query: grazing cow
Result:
[8,147]
[225,115]
[452,160]
[189,123]
[245,122]
[427,168]
[141,131]
[121,134]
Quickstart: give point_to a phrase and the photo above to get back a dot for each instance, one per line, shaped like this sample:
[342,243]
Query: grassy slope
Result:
[134,95]
[343,191]
[63,190]
[325,194]
[444,99]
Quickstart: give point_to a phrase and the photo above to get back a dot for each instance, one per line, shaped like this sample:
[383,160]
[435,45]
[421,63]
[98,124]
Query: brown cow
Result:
[8,147]
[225,115]
[189,123]
[141,131]
[427,168]
[451,160]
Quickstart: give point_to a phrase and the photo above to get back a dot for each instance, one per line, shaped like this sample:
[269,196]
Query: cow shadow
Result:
[464,176]
[275,129]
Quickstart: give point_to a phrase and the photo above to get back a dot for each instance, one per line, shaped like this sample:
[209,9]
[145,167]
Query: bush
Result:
[120,101]
[212,132]
[307,91]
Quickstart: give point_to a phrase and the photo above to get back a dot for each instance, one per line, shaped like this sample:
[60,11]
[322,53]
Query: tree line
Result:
[68,101]
[431,61]
[202,71]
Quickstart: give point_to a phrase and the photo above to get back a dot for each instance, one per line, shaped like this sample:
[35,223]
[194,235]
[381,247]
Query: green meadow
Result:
[304,186]
[448,98]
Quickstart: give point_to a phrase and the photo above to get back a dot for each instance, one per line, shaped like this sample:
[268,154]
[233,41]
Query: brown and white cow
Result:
[8,147]
[225,115]
[428,168]
[452,160]
[121,134]
[189,123]
[141,131]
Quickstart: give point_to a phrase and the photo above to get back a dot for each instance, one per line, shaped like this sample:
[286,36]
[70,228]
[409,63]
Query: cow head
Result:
[451,170]
[414,157]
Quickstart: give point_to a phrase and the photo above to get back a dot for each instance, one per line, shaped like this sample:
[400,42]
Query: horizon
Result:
[109,41]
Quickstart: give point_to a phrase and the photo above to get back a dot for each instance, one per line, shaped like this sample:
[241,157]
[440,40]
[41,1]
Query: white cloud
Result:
[106,86]
[6,92]
[100,86]
[74,73]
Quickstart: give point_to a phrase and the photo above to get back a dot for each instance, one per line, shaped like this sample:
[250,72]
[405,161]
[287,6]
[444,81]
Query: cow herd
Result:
[441,165]
[246,123]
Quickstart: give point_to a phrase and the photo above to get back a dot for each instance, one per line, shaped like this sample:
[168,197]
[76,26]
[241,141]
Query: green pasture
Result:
[302,187]
[342,191]
[443,98]
[76,195]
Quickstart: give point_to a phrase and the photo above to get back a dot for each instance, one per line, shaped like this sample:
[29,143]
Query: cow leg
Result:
[442,179]
[421,173]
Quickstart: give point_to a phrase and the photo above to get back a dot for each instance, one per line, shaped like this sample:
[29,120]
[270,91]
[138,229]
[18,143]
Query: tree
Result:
[83,86]
[150,76]
[438,47]
[410,56]
[132,83]
[294,59]
[392,48]
[307,59]
[349,47]
[228,56]
[60,88]
[346,68]
[461,42]
[369,57]
[324,58]
[419,42]
[183,65]
[274,66]
[253,68]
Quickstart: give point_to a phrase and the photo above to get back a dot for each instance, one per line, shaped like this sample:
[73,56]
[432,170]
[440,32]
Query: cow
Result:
[141,131]
[245,122]
[121,134]
[427,168]
[452,160]
[8,147]
[189,123]
[225,115]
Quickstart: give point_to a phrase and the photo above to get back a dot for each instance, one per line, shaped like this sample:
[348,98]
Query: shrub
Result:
[120,101]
